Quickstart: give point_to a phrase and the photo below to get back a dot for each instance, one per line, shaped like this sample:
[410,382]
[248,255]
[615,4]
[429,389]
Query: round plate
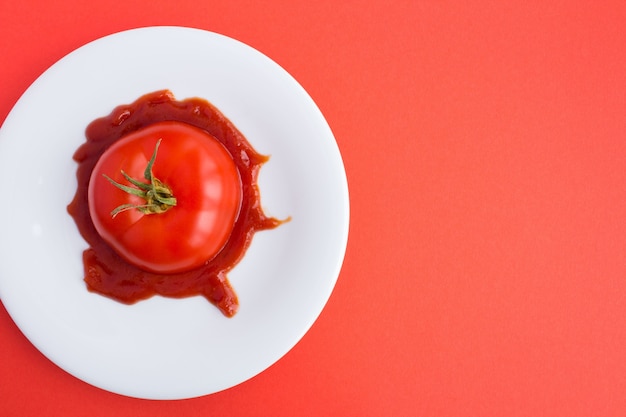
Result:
[165,348]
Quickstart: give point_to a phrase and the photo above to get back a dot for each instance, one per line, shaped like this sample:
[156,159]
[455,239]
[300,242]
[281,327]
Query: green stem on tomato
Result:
[158,196]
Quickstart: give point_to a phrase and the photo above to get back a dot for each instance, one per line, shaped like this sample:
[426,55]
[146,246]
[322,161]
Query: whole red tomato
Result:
[165,197]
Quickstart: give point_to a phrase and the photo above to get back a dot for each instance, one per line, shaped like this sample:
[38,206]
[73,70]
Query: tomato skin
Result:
[202,176]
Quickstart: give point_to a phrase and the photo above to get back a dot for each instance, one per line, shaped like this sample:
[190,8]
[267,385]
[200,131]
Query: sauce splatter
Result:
[105,271]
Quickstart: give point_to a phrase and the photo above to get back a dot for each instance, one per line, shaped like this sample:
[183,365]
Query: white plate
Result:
[166,348]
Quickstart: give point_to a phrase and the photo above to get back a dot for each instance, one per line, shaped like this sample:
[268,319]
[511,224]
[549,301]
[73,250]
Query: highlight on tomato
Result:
[165,197]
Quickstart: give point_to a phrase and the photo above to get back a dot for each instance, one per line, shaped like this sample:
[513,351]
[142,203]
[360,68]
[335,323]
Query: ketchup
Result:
[106,272]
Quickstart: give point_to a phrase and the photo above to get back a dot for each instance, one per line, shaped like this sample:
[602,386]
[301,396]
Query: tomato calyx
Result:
[158,196]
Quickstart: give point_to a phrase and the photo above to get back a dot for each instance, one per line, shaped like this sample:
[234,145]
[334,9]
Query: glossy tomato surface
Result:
[202,177]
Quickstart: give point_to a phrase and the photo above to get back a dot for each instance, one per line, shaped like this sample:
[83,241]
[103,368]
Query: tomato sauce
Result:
[105,271]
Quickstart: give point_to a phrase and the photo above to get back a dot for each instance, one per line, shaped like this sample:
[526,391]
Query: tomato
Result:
[204,183]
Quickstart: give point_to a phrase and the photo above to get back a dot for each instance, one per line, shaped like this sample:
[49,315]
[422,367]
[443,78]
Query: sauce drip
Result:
[106,272]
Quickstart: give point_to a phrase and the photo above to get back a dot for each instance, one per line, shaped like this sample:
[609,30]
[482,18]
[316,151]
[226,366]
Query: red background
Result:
[485,148]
